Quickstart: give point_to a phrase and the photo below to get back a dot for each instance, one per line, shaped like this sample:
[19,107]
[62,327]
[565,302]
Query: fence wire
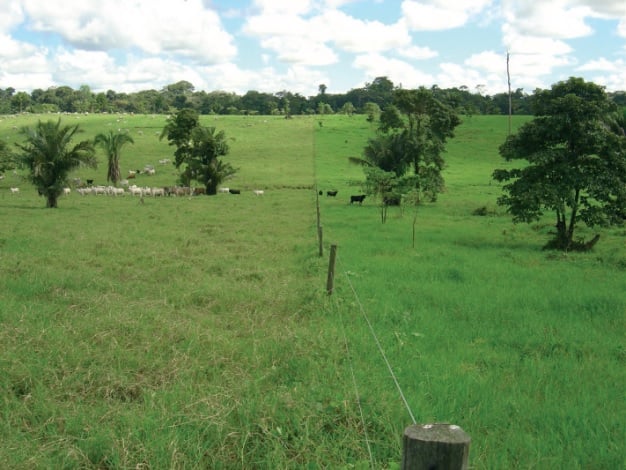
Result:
[356,387]
[380,348]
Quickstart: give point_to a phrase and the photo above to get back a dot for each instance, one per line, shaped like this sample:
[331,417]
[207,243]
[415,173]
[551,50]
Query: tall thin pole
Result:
[508,76]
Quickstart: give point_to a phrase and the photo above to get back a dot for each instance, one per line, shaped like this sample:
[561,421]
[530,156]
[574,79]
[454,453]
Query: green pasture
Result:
[197,333]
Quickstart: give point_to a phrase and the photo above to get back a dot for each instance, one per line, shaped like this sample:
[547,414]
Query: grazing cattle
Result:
[180,191]
[259,192]
[331,193]
[135,191]
[158,192]
[321,192]
[199,191]
[66,191]
[89,182]
[234,191]
[358,198]
[223,190]
[15,190]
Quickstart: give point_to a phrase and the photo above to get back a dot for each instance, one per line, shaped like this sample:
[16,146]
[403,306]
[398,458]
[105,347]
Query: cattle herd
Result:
[134,190]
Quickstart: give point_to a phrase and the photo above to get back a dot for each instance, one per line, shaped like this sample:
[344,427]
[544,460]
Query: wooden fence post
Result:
[330,281]
[320,238]
[435,447]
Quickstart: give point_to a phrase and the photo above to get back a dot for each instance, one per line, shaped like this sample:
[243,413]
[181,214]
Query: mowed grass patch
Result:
[177,332]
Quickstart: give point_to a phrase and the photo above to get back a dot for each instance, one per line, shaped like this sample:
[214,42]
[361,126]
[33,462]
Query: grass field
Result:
[196,332]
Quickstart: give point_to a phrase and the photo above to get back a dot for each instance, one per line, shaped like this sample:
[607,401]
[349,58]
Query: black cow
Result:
[89,182]
[331,193]
[358,199]
[234,191]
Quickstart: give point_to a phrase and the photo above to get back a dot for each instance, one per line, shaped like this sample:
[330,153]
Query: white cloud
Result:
[307,41]
[456,75]
[603,65]
[400,72]
[230,78]
[300,50]
[355,35]
[153,26]
[553,19]
[429,15]
[522,44]
[90,66]
[488,61]
[284,7]
[276,24]
[608,8]
[417,53]
[610,73]
[24,66]
[10,15]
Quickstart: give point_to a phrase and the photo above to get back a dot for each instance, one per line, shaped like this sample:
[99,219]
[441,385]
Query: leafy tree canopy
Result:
[198,150]
[575,153]
[49,156]
[411,139]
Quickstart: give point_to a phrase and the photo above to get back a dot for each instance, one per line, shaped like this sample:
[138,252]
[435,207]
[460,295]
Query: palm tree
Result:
[49,156]
[112,144]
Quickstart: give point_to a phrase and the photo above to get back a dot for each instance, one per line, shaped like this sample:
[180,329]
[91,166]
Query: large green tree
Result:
[198,150]
[411,139]
[178,129]
[112,143]
[574,162]
[49,156]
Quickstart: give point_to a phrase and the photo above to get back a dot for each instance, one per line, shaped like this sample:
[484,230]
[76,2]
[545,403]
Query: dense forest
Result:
[373,96]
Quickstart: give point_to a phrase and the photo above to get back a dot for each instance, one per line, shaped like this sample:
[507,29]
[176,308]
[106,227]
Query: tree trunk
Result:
[572,219]
[562,240]
[51,201]
[211,189]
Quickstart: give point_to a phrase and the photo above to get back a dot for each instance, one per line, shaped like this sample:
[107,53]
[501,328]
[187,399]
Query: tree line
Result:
[182,95]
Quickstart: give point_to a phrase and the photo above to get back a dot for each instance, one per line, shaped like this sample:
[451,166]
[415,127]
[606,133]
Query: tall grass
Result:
[196,333]
[522,348]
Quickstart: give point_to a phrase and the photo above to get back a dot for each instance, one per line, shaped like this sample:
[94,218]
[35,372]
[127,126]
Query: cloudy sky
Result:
[296,45]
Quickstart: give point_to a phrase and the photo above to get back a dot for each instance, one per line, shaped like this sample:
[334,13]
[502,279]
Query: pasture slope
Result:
[196,333]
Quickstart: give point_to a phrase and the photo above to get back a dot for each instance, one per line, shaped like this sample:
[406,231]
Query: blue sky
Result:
[296,45]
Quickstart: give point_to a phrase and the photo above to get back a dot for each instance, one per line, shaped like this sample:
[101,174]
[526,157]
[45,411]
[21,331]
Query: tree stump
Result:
[435,447]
